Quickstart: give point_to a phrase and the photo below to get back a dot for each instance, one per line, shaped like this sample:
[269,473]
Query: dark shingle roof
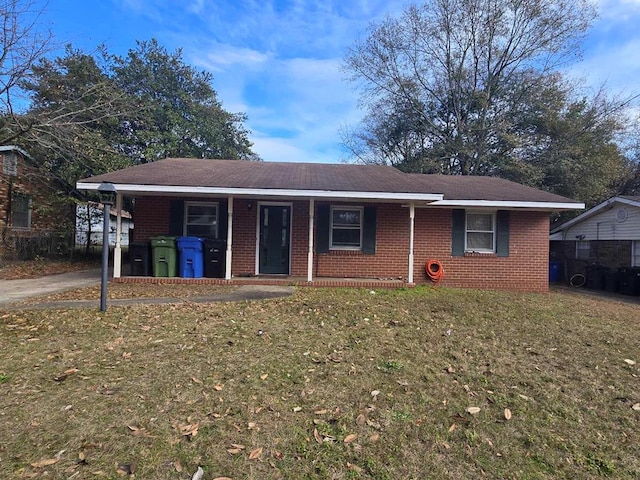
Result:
[187,172]
[264,175]
[457,187]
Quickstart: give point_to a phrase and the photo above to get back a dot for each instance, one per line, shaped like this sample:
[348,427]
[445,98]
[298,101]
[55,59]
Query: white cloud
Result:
[221,57]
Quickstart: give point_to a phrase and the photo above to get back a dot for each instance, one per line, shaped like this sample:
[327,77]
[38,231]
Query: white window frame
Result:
[202,204]
[493,231]
[13,201]
[331,227]
[635,253]
[583,244]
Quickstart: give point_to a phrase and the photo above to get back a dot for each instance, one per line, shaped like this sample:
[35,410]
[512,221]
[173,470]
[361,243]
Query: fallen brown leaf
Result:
[350,438]
[507,414]
[255,453]
[45,462]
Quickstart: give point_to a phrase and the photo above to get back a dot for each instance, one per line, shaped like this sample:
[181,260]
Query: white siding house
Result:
[617,219]
[93,213]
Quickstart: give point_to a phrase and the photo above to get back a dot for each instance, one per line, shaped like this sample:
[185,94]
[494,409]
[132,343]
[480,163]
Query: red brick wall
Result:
[392,250]
[526,268]
[151,218]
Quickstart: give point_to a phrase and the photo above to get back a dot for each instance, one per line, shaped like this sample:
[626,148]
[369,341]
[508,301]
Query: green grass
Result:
[342,384]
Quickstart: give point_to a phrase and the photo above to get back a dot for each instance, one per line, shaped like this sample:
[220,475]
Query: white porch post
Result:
[310,253]
[412,214]
[117,251]
[227,263]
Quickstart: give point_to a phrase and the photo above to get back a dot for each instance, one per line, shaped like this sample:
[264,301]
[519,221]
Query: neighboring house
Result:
[90,221]
[310,223]
[606,235]
[34,218]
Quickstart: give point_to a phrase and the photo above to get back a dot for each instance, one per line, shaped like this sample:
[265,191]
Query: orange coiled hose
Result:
[434,271]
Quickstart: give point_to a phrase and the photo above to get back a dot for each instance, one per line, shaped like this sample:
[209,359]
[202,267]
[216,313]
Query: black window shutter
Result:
[322,228]
[369,231]
[458,225]
[222,220]
[176,218]
[502,233]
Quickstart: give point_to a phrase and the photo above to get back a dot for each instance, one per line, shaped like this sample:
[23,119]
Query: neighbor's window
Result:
[346,228]
[635,261]
[201,220]
[583,249]
[480,232]
[21,211]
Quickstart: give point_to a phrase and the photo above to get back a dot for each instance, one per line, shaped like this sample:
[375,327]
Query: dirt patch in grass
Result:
[16,270]
[328,383]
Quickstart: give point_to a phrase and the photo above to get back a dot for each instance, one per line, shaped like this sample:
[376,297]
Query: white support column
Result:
[117,251]
[312,204]
[227,263]
[412,214]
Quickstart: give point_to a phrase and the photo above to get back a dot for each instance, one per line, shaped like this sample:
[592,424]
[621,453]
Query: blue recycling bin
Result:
[191,257]
[555,272]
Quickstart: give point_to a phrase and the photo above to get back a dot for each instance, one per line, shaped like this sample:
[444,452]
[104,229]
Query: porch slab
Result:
[273,280]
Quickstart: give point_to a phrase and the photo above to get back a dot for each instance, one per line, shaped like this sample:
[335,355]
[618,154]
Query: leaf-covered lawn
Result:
[326,384]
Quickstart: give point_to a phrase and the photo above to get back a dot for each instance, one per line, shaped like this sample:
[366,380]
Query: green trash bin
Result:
[165,256]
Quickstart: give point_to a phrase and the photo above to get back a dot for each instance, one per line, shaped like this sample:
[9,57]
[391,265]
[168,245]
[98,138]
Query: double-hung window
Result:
[201,220]
[21,211]
[583,249]
[480,232]
[346,228]
[635,253]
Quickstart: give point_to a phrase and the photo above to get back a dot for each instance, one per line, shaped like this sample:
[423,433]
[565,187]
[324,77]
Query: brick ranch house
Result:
[35,219]
[312,224]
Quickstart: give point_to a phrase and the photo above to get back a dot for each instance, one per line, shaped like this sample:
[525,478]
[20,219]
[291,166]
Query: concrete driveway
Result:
[12,291]
[17,290]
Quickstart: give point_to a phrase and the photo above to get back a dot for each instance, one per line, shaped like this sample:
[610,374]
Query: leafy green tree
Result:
[179,114]
[77,111]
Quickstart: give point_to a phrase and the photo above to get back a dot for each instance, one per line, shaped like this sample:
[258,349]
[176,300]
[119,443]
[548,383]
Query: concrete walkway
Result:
[13,291]
[19,290]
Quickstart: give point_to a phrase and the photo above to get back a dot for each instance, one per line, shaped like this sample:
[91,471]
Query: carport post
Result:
[227,263]
[117,251]
[310,253]
[412,215]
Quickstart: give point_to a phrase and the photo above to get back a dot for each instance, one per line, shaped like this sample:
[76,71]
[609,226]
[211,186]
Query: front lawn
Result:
[326,384]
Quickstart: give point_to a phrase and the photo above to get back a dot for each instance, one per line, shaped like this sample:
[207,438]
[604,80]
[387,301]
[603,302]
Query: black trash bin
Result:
[140,258]
[611,280]
[215,252]
[629,279]
[596,277]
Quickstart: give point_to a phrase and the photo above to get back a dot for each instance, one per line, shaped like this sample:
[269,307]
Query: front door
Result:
[275,235]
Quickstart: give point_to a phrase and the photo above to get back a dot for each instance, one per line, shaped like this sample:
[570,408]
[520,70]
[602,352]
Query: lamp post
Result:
[107,193]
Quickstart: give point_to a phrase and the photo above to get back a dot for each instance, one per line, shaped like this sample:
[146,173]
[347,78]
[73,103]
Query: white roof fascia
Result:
[593,210]
[15,148]
[266,192]
[508,204]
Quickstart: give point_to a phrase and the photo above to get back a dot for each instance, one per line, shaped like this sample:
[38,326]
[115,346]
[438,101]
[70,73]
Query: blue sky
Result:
[279,61]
